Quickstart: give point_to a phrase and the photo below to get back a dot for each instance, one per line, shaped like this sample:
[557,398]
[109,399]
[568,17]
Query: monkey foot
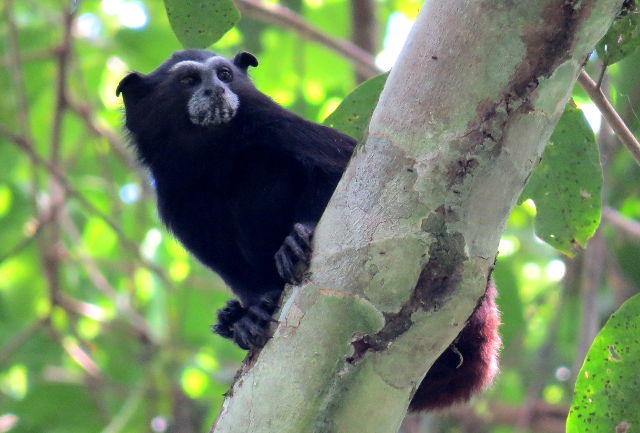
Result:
[248,327]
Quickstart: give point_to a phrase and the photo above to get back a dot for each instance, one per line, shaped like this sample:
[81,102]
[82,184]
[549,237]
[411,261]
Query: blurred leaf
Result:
[566,185]
[99,238]
[606,392]
[194,382]
[353,115]
[5,199]
[54,408]
[178,306]
[509,302]
[622,38]
[200,23]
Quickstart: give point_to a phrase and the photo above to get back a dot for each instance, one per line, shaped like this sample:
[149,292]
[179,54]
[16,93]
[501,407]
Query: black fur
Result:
[243,196]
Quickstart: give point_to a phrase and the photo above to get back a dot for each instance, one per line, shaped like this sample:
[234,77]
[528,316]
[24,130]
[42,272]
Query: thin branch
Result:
[593,264]
[26,147]
[129,408]
[14,61]
[28,57]
[611,116]
[364,28]
[546,417]
[88,116]
[19,339]
[77,354]
[285,18]
[627,225]
[50,242]
[123,305]
[14,64]
[34,229]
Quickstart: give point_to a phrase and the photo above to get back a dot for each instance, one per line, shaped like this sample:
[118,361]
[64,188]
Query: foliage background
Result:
[104,317]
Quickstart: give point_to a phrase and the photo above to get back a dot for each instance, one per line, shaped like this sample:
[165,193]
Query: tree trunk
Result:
[462,121]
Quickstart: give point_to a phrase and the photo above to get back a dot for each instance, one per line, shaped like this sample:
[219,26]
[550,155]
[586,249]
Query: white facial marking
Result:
[210,110]
[191,63]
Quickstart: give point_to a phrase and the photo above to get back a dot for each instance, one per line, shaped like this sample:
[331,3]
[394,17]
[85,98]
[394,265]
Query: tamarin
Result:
[242,182]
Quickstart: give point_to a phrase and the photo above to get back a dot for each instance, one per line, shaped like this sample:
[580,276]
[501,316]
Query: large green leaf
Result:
[353,114]
[566,185]
[200,23]
[622,38]
[606,393]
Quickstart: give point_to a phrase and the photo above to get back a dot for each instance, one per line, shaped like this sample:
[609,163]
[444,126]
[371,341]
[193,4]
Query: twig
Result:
[19,339]
[76,353]
[287,19]
[611,116]
[26,147]
[593,264]
[129,408]
[123,305]
[629,226]
[364,28]
[14,61]
[547,418]
[86,114]
[35,227]
[51,241]
[28,57]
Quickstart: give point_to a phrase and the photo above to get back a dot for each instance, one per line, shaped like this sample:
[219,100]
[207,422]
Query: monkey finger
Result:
[261,314]
[284,266]
[304,232]
[223,331]
[297,250]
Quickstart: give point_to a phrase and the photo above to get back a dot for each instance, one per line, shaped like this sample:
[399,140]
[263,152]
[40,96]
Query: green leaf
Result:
[353,115]
[99,238]
[606,392]
[566,185]
[622,38]
[200,23]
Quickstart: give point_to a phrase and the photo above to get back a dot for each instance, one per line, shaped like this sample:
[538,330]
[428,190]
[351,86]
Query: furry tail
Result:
[468,365]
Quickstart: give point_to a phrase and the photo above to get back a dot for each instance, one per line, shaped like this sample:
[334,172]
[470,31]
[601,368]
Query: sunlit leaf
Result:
[5,199]
[99,238]
[622,39]
[606,391]
[200,23]
[194,382]
[353,115]
[566,185]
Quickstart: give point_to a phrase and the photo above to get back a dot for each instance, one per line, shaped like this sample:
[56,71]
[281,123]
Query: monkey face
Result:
[195,85]
[212,100]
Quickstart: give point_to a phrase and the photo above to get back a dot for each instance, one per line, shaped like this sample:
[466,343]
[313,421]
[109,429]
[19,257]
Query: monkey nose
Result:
[218,91]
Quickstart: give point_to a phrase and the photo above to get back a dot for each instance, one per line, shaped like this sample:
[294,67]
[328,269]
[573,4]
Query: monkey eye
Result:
[225,75]
[189,80]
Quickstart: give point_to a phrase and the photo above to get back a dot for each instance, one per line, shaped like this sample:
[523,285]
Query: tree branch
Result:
[364,28]
[287,19]
[611,116]
[403,252]
[51,242]
[627,225]
[54,171]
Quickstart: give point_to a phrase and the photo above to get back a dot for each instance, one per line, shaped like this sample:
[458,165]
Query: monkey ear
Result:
[244,59]
[133,85]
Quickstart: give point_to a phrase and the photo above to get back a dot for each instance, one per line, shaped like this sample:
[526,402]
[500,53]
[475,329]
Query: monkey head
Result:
[193,88]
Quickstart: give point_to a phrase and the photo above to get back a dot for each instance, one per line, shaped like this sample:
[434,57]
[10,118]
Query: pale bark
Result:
[462,121]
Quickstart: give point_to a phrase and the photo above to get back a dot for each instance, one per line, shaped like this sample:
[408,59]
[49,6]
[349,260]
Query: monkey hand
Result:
[292,259]
[247,327]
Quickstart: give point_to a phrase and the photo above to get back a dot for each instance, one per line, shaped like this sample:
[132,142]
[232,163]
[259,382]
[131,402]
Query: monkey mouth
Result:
[212,116]
[207,112]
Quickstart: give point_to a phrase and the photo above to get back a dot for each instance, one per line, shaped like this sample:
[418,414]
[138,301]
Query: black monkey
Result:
[242,182]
